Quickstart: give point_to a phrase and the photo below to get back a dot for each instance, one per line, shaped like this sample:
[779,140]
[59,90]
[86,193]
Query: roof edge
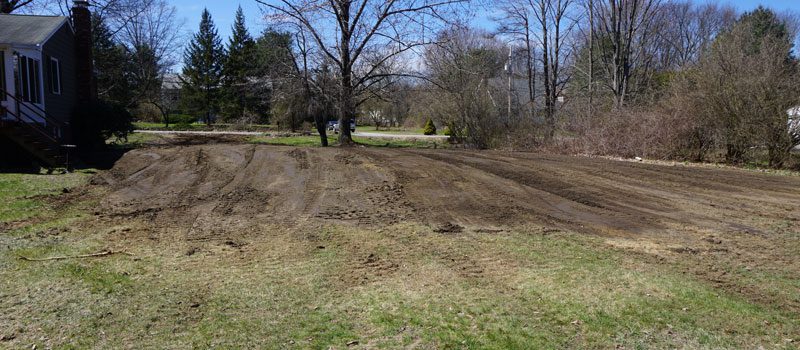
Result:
[60,25]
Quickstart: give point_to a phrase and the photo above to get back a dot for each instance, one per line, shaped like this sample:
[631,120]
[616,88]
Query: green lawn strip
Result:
[572,294]
[532,291]
[196,126]
[298,141]
[162,300]
[135,140]
[400,131]
[161,126]
[314,141]
[22,194]
[657,301]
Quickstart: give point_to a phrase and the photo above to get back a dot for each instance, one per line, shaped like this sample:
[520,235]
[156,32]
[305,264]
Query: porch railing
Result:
[40,122]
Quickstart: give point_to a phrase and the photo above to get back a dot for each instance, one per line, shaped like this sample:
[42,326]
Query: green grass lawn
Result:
[401,131]
[320,287]
[314,141]
[259,127]
[196,126]
[23,195]
[160,126]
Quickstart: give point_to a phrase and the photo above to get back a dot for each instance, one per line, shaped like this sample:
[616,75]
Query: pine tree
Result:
[202,71]
[274,63]
[147,73]
[112,65]
[239,81]
[765,25]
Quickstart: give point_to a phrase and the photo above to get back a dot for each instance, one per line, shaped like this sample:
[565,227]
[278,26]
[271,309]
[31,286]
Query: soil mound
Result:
[208,190]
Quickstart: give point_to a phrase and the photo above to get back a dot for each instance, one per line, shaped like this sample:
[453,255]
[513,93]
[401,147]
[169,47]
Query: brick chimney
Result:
[82,23]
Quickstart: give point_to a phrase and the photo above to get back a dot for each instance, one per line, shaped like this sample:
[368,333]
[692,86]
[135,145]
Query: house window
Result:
[31,83]
[55,76]
[2,76]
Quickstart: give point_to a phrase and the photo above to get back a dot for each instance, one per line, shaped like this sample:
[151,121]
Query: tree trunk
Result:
[319,120]
[346,112]
[346,104]
[548,103]
[591,58]
[531,72]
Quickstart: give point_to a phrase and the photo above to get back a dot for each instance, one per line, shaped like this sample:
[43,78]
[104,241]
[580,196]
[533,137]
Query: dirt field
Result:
[226,192]
[388,215]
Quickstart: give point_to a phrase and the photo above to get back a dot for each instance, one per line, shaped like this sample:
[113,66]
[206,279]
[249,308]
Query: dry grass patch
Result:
[319,284]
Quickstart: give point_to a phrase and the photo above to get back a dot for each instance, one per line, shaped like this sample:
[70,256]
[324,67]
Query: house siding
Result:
[61,46]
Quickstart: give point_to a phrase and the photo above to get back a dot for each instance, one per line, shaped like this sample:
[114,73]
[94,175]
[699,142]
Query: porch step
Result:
[51,153]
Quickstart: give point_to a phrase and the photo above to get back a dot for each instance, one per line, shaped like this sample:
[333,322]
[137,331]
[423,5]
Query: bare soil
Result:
[709,222]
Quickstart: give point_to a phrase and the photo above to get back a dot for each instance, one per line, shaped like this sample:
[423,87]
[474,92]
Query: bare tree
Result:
[152,40]
[625,27]
[116,13]
[9,6]
[515,20]
[744,85]
[465,89]
[590,11]
[360,37]
[556,23]
[686,30]
[158,28]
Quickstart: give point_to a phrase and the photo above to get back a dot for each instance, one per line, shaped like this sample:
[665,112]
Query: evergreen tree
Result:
[147,74]
[765,25]
[202,71]
[112,65]
[239,80]
[275,64]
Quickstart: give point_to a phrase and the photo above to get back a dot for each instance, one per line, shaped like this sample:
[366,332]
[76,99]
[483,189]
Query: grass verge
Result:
[404,286]
[314,141]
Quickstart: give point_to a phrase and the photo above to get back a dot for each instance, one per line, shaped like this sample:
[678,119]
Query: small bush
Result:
[147,112]
[95,122]
[181,119]
[430,128]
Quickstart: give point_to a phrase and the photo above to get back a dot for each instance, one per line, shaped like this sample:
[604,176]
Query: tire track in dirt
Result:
[537,196]
[710,223]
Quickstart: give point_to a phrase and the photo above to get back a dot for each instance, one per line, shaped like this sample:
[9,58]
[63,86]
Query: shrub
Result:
[430,128]
[147,112]
[655,134]
[95,122]
[182,119]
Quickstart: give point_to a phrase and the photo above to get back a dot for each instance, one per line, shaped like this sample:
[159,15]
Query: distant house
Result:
[45,71]
[171,88]
[794,126]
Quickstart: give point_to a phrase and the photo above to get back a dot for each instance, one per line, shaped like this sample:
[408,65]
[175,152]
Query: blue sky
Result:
[223,11]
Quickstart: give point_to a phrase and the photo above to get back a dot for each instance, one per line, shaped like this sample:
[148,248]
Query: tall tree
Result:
[112,65]
[745,83]
[556,26]
[461,71]
[276,63]
[517,21]
[239,82]
[361,38]
[625,27]
[202,71]
[9,6]
[116,13]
